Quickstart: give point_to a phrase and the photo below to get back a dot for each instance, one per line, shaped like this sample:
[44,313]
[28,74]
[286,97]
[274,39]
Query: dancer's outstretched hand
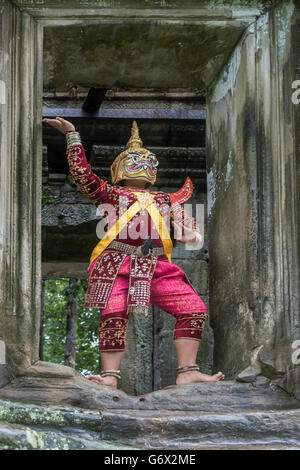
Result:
[184,233]
[60,124]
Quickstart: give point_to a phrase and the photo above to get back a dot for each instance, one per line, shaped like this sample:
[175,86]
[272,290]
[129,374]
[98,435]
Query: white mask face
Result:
[141,166]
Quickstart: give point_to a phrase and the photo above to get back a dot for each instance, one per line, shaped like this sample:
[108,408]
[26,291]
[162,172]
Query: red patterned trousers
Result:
[170,291]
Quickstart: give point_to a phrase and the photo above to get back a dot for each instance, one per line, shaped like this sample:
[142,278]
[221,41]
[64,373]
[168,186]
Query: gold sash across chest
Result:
[144,201]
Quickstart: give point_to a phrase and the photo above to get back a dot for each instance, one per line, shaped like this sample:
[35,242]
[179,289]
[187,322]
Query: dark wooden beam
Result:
[94,100]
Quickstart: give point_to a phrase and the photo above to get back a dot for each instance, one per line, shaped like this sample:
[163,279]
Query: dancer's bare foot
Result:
[109,380]
[193,377]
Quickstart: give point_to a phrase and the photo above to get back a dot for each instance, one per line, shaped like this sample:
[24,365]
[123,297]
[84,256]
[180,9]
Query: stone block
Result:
[249,374]
[275,360]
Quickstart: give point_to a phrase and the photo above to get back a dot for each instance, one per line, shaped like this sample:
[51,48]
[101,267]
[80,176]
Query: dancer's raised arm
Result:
[89,184]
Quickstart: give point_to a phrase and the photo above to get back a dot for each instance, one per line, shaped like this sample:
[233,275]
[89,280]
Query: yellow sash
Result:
[145,201]
[162,229]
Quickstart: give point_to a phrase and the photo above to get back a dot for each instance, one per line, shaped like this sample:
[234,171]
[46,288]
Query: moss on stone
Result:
[145,3]
[30,427]
[138,54]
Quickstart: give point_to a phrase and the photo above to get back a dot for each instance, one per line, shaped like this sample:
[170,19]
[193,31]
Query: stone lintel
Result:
[242,9]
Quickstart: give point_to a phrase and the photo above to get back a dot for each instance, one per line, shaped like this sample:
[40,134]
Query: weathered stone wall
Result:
[145,54]
[4,113]
[20,189]
[231,167]
[251,176]
[281,355]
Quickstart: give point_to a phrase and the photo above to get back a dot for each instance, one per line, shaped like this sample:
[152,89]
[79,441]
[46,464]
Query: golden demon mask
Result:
[135,162]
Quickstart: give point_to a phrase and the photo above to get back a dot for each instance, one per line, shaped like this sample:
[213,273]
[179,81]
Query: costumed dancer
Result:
[131,265]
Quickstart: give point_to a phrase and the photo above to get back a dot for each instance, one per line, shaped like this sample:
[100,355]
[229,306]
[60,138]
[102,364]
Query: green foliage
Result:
[48,198]
[55,318]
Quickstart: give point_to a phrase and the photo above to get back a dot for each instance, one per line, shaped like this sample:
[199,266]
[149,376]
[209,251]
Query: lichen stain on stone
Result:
[227,82]
[34,439]
[27,416]
[251,4]
[262,27]
[211,191]
[229,168]
[284,15]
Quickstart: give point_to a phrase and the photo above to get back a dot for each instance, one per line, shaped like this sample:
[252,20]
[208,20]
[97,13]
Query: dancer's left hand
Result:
[184,233]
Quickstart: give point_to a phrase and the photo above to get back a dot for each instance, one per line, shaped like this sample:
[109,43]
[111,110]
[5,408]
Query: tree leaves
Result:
[55,315]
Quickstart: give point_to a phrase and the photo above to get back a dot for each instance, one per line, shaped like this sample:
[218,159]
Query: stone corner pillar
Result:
[20,187]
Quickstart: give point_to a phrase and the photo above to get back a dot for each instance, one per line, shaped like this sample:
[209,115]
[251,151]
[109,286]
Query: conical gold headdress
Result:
[119,171]
[135,142]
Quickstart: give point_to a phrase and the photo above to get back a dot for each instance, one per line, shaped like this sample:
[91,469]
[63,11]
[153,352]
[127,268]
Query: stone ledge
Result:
[48,427]
[226,396]
[16,437]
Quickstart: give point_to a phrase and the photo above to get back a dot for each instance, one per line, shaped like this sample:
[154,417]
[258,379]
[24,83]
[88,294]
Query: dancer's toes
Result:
[219,376]
[191,377]
[94,378]
[108,381]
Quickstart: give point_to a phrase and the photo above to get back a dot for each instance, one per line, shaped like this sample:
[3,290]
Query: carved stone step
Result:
[224,415]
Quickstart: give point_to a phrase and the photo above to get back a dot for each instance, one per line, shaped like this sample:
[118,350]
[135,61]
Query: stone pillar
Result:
[254,282]
[136,363]
[20,197]
[232,211]
[5,202]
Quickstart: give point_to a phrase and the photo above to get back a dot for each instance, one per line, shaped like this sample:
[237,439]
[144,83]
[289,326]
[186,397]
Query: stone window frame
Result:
[21,175]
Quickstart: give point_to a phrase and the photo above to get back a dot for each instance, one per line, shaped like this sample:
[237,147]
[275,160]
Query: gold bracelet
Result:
[73,138]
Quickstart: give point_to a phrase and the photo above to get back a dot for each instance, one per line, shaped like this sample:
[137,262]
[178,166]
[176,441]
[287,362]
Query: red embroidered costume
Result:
[121,279]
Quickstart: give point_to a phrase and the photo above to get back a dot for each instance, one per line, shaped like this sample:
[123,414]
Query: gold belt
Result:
[132,250]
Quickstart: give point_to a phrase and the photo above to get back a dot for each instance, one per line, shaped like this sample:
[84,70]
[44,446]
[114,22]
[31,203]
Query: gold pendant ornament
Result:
[136,162]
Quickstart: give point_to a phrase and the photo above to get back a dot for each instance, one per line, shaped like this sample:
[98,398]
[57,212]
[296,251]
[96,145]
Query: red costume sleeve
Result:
[88,183]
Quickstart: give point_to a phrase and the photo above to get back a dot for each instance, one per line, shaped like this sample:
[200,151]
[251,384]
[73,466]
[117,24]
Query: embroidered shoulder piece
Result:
[184,193]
